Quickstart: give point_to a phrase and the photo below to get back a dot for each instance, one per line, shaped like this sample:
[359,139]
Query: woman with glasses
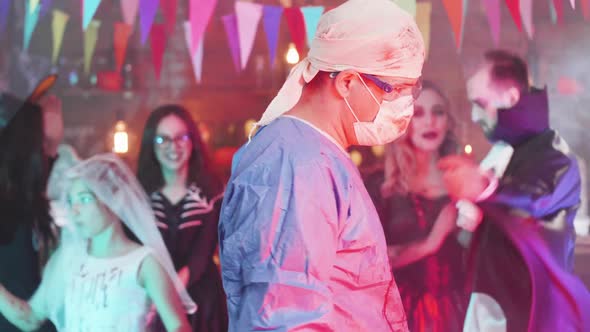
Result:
[173,169]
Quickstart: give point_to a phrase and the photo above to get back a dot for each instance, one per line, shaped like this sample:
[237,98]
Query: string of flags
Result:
[241,26]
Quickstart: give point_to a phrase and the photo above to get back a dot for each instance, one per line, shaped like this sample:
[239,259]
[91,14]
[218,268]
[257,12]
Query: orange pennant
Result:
[122,33]
[455,12]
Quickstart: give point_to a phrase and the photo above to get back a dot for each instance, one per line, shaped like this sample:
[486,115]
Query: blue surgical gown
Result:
[301,245]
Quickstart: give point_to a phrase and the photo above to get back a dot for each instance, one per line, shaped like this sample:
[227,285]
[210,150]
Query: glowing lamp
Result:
[468,149]
[121,138]
[292,56]
[378,150]
[356,157]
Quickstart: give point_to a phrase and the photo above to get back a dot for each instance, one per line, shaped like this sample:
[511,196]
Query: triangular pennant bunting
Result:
[492,9]
[514,8]
[200,13]
[121,39]
[526,11]
[129,9]
[31,19]
[197,57]
[33,4]
[4,10]
[90,38]
[248,15]
[169,7]
[573,3]
[586,9]
[423,13]
[311,16]
[158,41]
[45,7]
[271,22]
[455,12]
[89,9]
[147,13]
[296,26]
[230,23]
[552,12]
[58,26]
[558,6]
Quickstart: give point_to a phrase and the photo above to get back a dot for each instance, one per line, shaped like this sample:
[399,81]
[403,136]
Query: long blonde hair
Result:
[400,162]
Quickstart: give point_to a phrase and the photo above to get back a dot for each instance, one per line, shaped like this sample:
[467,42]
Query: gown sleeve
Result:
[278,239]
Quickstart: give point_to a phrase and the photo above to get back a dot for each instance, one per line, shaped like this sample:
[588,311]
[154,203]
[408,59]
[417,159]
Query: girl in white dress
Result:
[100,279]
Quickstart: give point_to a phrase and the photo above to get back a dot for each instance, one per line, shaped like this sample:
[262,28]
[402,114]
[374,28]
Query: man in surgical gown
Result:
[301,245]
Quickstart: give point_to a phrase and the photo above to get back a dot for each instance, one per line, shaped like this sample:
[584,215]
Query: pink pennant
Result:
[158,40]
[248,15]
[514,9]
[558,5]
[197,57]
[169,7]
[586,9]
[200,13]
[129,9]
[573,3]
[492,8]
[526,11]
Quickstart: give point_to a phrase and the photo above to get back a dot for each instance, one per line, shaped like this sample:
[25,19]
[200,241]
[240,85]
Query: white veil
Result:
[114,185]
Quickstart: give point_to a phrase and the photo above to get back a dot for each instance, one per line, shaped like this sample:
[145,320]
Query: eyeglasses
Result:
[395,89]
[165,141]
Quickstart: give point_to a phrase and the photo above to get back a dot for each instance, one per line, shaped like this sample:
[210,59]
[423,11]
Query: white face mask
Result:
[391,121]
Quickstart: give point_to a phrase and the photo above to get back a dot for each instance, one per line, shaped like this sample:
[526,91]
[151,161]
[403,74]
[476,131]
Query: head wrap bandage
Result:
[369,36]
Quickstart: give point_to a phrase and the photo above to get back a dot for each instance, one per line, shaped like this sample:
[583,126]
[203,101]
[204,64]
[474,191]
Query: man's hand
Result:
[463,178]
[53,126]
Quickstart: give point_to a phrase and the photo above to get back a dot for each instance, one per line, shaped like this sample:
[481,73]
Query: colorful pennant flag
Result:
[526,11]
[552,12]
[58,27]
[271,22]
[248,15]
[45,7]
[296,26]
[230,23]
[169,7]
[4,10]
[585,9]
[122,33]
[147,13]
[90,38]
[200,13]
[408,5]
[33,4]
[455,12]
[558,6]
[423,13]
[89,8]
[311,16]
[158,40]
[31,19]
[492,9]
[514,9]
[129,9]
[197,57]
